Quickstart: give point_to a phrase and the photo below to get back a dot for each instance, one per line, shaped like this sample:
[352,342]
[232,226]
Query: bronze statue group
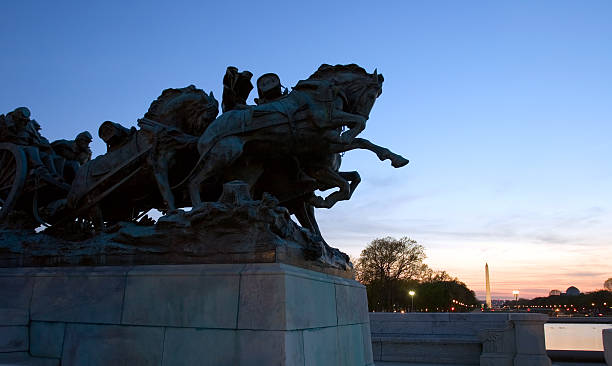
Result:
[289,145]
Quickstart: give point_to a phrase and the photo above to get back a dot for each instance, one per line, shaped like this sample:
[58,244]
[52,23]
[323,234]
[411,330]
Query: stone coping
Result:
[429,338]
[168,270]
[581,320]
[452,317]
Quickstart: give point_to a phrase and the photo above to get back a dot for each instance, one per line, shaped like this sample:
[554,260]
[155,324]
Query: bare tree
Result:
[389,259]
[386,266]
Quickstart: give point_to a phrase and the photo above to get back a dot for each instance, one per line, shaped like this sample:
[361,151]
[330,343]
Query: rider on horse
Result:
[237,87]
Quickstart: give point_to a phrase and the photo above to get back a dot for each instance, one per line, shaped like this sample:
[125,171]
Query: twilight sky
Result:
[504,109]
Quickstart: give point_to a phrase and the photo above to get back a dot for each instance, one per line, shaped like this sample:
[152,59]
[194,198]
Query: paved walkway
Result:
[429,364]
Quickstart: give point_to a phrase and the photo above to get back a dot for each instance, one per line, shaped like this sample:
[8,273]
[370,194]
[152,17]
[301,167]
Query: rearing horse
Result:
[306,124]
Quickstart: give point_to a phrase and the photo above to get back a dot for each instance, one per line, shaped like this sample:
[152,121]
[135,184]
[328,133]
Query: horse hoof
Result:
[317,202]
[197,207]
[398,163]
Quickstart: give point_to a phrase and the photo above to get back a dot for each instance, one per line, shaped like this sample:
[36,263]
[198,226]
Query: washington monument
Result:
[488,285]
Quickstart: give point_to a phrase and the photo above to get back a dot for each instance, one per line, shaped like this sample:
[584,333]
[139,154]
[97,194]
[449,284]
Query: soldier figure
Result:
[74,153]
[237,86]
[236,89]
[13,126]
[115,135]
[17,127]
[269,88]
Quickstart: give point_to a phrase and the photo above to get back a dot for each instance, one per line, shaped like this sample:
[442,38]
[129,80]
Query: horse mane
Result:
[326,71]
[352,78]
[183,108]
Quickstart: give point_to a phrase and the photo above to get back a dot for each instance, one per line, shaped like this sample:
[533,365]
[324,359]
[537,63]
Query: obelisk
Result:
[488,285]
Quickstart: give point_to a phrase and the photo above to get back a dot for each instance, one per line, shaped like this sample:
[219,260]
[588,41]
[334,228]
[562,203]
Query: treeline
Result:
[596,302]
[596,297]
[393,268]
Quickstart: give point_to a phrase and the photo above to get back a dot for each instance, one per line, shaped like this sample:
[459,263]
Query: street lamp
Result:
[411,293]
[516,293]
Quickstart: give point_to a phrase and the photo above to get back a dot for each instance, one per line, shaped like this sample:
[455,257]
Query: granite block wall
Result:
[215,314]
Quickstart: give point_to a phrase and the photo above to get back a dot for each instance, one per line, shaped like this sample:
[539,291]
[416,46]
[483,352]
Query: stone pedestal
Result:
[211,314]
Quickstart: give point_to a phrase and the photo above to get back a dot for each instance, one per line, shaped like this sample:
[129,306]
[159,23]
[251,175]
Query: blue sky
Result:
[504,109]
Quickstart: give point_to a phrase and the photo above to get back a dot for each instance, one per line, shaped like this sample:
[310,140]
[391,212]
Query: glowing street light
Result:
[411,293]
[516,293]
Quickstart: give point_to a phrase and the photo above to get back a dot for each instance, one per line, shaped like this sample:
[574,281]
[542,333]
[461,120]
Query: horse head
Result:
[359,88]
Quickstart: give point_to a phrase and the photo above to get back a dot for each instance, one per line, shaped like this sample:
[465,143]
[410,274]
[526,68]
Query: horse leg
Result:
[304,212]
[330,178]
[160,171]
[354,122]
[309,209]
[397,161]
[248,171]
[352,177]
[221,155]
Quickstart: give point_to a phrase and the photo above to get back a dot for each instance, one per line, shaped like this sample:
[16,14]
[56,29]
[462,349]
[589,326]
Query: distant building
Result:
[554,293]
[498,303]
[572,291]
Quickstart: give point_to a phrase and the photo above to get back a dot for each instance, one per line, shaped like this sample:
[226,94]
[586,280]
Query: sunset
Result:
[145,135]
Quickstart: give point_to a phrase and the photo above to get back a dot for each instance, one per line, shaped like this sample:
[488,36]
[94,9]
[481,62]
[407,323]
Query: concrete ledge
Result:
[440,352]
[581,320]
[426,339]
[486,339]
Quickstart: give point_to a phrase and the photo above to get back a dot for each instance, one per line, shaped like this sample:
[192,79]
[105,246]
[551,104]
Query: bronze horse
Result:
[162,150]
[306,126]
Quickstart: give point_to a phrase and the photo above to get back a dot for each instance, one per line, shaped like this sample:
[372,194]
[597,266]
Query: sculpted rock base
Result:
[236,229]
